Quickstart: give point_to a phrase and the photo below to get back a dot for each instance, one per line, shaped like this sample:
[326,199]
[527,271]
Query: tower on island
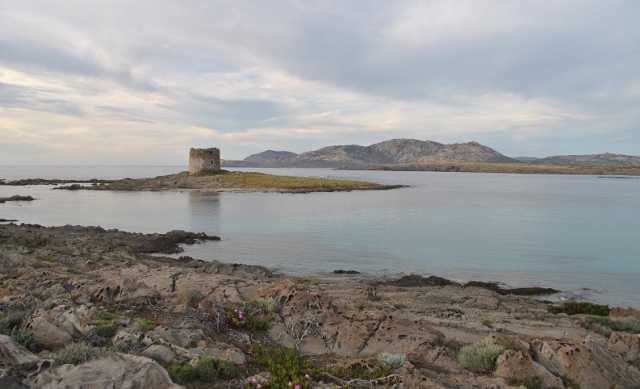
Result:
[204,160]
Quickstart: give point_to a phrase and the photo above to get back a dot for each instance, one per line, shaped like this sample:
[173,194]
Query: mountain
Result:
[391,152]
[606,159]
[271,157]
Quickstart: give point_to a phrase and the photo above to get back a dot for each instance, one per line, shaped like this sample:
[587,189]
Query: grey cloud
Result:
[43,57]
[13,96]
[227,115]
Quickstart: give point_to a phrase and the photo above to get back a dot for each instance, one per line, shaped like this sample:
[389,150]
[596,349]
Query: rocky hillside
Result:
[606,159]
[391,152]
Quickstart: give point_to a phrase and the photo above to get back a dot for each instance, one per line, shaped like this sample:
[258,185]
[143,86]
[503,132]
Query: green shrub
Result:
[479,357]
[25,339]
[183,373]
[107,330]
[10,321]
[249,319]
[285,365]
[145,325]
[529,383]
[103,316]
[628,324]
[106,324]
[577,308]
[207,370]
[210,368]
[76,353]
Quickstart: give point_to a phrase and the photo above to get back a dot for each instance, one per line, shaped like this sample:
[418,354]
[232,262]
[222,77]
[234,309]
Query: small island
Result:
[205,174]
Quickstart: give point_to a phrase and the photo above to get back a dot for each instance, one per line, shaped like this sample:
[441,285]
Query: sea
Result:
[578,234]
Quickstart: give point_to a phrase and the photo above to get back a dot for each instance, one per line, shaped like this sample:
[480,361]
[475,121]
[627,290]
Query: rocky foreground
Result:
[84,307]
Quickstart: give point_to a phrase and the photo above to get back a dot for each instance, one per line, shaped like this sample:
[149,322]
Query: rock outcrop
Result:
[105,314]
[113,371]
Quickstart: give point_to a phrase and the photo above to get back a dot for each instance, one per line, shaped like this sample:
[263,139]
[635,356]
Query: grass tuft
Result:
[206,370]
[76,353]
[480,357]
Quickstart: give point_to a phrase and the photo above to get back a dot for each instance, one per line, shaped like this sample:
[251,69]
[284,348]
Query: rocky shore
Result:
[85,307]
[44,181]
[16,198]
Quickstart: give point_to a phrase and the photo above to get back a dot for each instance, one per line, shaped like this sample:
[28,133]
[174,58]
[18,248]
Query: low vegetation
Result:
[528,383]
[606,324]
[362,370]
[106,324]
[480,357]
[286,366]
[252,317]
[145,325]
[76,353]
[580,308]
[10,321]
[11,324]
[231,181]
[25,339]
[206,370]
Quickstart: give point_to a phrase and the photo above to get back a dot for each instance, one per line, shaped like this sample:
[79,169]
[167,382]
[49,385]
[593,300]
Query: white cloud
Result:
[80,82]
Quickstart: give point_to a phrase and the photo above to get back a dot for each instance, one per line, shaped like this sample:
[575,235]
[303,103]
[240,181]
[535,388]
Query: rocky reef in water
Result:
[86,307]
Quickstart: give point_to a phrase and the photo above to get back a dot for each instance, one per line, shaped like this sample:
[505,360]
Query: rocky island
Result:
[228,181]
[85,307]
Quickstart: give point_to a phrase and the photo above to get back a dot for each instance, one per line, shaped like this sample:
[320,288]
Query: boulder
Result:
[434,356]
[516,365]
[16,362]
[181,336]
[160,353]
[120,371]
[13,355]
[61,325]
[588,363]
[627,345]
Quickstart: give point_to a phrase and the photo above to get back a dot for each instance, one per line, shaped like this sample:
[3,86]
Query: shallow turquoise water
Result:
[568,232]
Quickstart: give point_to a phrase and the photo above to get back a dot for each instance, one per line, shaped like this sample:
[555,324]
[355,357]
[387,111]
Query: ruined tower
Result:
[204,160]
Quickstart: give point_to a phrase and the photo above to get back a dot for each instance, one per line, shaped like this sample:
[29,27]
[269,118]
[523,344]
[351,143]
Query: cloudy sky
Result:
[138,82]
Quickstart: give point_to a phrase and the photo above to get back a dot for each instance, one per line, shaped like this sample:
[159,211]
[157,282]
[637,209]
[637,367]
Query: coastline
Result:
[513,168]
[411,331]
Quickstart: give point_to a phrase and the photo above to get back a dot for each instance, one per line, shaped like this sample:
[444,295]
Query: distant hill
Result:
[606,159]
[391,152]
[526,159]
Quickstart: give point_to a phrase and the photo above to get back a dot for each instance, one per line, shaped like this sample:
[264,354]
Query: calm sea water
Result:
[580,234]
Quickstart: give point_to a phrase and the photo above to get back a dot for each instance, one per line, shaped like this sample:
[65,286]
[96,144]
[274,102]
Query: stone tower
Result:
[204,160]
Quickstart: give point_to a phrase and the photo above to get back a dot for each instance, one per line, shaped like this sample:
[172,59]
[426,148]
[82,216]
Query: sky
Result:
[139,82]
